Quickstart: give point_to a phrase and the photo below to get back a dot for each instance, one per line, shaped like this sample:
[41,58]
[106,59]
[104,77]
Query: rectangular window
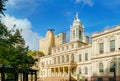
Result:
[54,60]
[72,57]
[112,45]
[112,67]
[58,59]
[100,70]
[86,56]
[80,57]
[72,46]
[86,70]
[101,47]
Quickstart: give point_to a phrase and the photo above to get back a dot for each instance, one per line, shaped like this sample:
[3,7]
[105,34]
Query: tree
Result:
[35,53]
[2,6]
[13,51]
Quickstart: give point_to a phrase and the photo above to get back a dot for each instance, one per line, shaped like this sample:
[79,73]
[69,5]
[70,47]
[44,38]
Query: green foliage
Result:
[35,53]
[2,6]
[12,49]
[10,75]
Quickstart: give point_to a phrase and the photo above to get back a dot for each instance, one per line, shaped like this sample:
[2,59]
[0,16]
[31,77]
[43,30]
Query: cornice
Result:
[105,55]
[117,28]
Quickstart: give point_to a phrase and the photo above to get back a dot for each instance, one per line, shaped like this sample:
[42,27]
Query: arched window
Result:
[67,58]
[58,59]
[86,56]
[86,70]
[72,57]
[58,49]
[62,48]
[62,58]
[101,67]
[72,46]
[80,34]
[112,67]
[80,57]
[73,33]
[54,60]
[67,47]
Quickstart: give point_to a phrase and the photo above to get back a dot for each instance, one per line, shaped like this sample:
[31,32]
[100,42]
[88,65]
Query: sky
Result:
[35,17]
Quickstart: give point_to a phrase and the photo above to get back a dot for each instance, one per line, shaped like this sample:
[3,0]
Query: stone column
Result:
[31,76]
[54,72]
[58,71]
[117,44]
[106,46]
[69,72]
[117,66]
[106,68]
[63,71]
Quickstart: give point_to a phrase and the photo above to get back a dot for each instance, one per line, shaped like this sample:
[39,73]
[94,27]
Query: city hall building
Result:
[80,59]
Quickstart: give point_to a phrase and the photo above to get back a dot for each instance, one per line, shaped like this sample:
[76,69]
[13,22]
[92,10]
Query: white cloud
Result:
[25,7]
[113,5]
[21,3]
[12,2]
[31,38]
[85,2]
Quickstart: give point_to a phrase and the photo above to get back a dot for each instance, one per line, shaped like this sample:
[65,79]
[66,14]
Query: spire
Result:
[76,20]
[76,15]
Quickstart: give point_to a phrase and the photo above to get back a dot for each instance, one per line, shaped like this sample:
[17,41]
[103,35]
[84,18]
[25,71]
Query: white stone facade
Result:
[79,59]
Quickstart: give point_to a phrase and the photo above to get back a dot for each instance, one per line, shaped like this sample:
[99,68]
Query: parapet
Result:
[107,30]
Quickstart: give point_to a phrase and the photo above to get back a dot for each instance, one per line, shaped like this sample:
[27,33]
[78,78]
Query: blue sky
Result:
[40,15]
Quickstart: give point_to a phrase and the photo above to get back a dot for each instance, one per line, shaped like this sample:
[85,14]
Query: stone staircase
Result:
[73,78]
[64,77]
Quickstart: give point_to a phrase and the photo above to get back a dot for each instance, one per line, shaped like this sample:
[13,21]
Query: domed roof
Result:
[77,21]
